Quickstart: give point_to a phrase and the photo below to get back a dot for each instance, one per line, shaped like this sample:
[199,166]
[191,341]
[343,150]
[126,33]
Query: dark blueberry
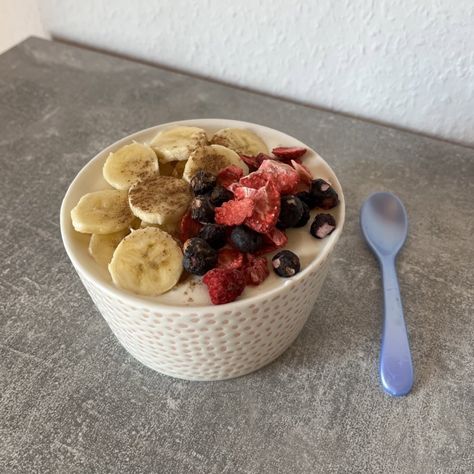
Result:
[214,234]
[199,256]
[286,263]
[305,196]
[322,225]
[202,210]
[291,211]
[323,195]
[203,182]
[305,217]
[220,195]
[245,239]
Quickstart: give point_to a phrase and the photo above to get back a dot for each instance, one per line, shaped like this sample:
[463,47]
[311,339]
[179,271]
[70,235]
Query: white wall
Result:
[404,62]
[18,20]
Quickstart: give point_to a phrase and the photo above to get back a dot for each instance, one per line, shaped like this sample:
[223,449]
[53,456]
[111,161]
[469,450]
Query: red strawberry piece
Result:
[261,157]
[230,258]
[255,180]
[242,192]
[188,227]
[234,212]
[277,237]
[251,161]
[255,269]
[254,161]
[303,172]
[230,174]
[266,209]
[273,240]
[284,176]
[289,153]
[224,284]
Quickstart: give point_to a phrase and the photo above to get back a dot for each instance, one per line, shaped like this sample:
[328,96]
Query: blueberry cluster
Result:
[320,195]
[207,196]
[200,253]
[295,209]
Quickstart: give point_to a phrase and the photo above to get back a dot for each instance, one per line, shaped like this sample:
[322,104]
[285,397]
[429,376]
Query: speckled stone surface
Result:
[73,401]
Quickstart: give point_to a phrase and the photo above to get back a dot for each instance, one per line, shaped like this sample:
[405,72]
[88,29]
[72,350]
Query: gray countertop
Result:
[72,399]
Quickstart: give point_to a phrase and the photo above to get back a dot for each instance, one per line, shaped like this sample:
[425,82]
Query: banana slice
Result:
[212,159]
[102,246]
[102,212]
[147,262]
[129,164]
[176,144]
[171,228]
[160,199]
[242,141]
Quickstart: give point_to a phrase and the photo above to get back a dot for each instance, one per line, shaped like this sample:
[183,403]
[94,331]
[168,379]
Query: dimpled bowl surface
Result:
[203,342]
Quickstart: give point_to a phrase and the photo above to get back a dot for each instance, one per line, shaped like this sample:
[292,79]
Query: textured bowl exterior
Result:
[211,343]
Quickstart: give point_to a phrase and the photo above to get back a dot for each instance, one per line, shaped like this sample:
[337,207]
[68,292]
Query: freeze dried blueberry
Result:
[202,210]
[203,182]
[220,195]
[199,256]
[246,240]
[305,196]
[322,226]
[305,216]
[322,195]
[286,263]
[291,211]
[214,235]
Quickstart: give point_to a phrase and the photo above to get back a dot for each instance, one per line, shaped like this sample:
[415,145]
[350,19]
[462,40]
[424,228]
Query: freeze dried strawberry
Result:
[254,161]
[188,227]
[273,240]
[251,161]
[266,209]
[255,269]
[255,180]
[224,284]
[284,176]
[303,172]
[289,153]
[230,174]
[234,212]
[242,192]
[230,258]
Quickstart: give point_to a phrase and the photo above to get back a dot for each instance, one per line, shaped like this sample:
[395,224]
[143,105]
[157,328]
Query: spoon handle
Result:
[396,369]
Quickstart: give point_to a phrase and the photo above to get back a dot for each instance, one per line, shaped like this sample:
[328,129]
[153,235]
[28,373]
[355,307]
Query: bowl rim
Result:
[136,300]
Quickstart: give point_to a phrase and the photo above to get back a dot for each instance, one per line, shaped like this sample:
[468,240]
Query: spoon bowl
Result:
[384,223]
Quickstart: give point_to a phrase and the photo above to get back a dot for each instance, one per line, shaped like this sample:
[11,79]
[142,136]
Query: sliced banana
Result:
[212,158]
[147,262]
[242,141]
[160,199]
[170,227]
[102,246]
[176,144]
[102,212]
[129,164]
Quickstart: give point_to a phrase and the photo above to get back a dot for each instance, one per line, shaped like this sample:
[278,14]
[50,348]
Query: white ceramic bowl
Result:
[190,338]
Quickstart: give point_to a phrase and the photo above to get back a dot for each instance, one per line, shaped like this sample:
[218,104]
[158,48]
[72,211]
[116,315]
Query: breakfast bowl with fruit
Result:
[204,243]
